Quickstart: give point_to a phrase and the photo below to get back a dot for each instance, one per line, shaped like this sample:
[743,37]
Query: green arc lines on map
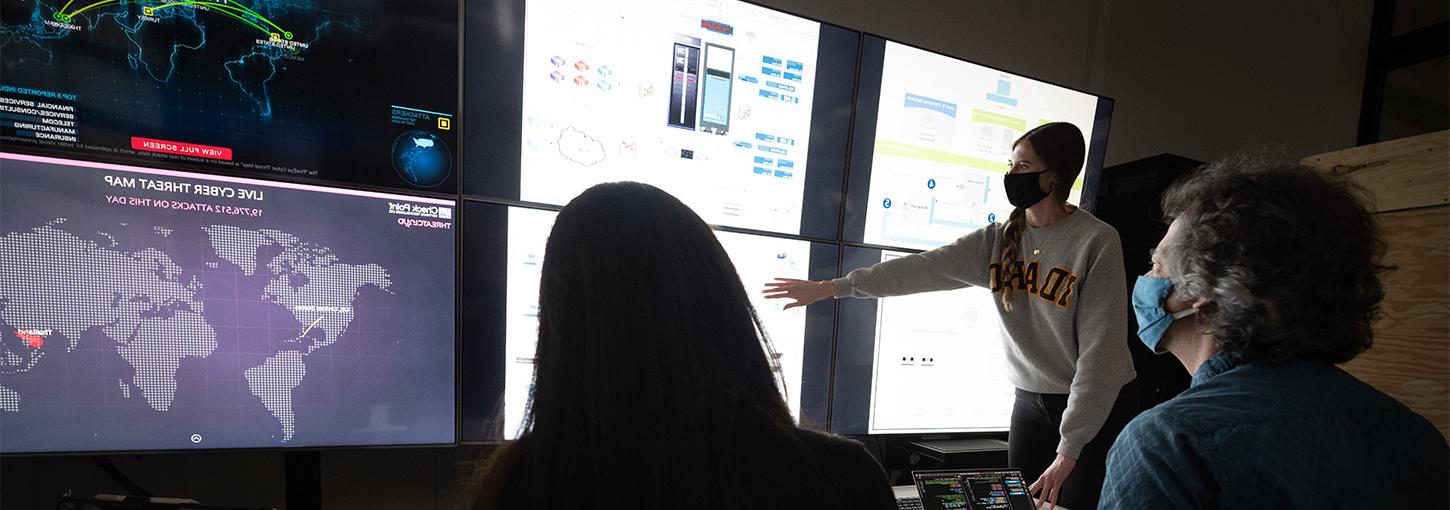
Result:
[236,11]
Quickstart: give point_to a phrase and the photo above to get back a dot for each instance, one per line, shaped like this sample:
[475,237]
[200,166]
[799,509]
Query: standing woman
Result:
[1056,273]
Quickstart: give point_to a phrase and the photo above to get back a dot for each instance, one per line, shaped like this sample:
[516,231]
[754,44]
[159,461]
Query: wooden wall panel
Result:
[1402,174]
[1410,180]
[1410,359]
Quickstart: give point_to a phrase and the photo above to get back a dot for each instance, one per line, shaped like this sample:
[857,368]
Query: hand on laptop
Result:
[1048,488]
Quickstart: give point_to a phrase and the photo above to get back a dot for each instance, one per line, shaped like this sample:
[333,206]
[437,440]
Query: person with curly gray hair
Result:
[1268,277]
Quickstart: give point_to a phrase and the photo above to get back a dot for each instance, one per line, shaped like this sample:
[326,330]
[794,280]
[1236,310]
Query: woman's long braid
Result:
[1011,253]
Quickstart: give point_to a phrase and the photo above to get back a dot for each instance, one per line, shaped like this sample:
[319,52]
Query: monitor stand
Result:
[303,472]
[972,453]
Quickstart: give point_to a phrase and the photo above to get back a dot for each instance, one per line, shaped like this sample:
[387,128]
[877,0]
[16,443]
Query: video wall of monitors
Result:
[932,139]
[261,225]
[930,363]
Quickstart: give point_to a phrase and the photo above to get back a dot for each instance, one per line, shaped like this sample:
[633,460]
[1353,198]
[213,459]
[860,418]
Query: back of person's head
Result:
[1288,257]
[652,383]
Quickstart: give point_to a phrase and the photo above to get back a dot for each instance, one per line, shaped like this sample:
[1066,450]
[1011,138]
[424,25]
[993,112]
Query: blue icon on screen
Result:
[991,217]
[931,184]
[886,203]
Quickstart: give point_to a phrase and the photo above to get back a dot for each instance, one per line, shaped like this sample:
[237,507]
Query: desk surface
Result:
[909,491]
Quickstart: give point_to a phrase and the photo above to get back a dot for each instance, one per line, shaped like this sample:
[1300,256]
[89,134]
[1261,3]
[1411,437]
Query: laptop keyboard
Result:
[908,504]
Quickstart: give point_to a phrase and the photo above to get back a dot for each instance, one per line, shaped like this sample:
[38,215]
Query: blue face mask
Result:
[1153,319]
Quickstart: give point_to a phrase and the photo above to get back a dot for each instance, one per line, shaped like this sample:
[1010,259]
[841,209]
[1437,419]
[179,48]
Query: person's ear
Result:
[1203,305]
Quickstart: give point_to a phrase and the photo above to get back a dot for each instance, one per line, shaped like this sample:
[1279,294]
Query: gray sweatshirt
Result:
[1067,330]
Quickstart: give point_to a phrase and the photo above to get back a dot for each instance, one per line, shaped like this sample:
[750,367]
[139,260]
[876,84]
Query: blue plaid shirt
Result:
[1296,435]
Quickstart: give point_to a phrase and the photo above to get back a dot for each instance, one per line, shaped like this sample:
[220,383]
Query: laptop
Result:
[968,489]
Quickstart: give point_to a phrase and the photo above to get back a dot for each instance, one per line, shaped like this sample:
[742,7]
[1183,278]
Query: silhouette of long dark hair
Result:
[652,383]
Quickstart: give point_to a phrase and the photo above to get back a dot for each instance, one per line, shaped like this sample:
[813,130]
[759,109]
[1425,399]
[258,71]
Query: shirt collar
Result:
[1217,364]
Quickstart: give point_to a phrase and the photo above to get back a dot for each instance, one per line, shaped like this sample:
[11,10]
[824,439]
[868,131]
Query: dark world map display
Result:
[147,309]
[343,90]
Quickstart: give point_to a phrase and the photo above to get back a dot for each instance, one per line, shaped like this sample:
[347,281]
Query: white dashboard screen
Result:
[708,100]
[757,259]
[944,136]
[939,365]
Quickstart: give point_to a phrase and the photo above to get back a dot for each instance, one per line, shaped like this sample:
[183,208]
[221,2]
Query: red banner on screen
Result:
[181,148]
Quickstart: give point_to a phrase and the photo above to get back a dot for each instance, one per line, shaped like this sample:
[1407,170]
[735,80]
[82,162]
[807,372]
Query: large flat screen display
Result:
[146,309]
[928,363]
[355,91]
[739,110]
[935,138]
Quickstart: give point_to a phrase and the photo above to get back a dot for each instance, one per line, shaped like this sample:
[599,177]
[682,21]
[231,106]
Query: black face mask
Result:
[1022,189]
